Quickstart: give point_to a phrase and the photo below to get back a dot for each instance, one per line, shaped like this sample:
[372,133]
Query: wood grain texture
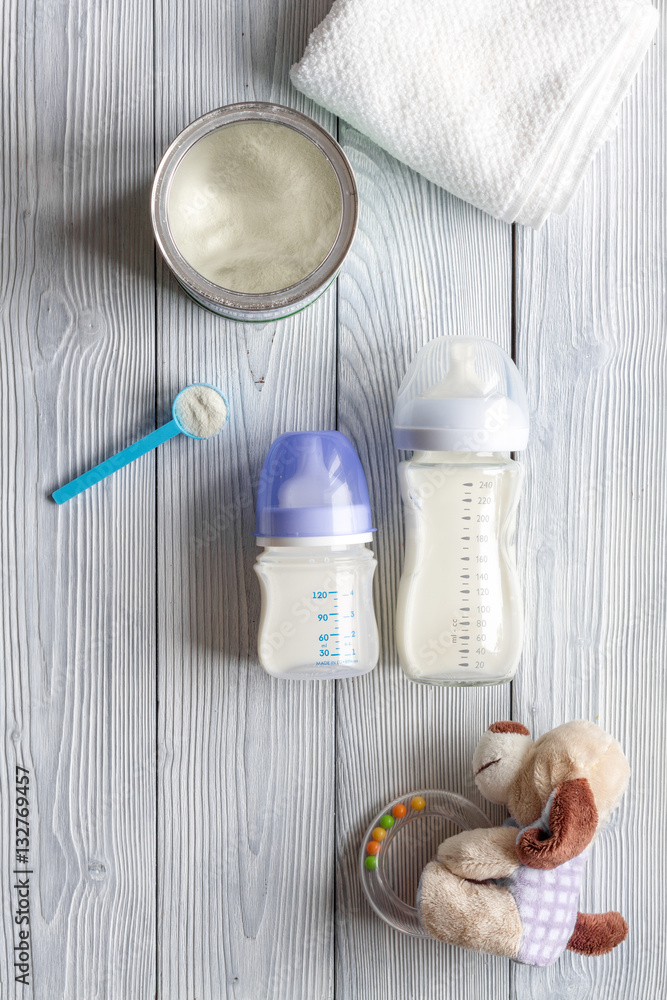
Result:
[591,326]
[423,264]
[77,379]
[246,848]
[264,788]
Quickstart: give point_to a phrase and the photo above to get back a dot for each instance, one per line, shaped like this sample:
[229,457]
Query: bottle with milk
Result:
[461,409]
[315,571]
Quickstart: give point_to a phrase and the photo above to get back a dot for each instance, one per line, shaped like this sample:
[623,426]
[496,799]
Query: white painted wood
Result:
[264,788]
[591,329]
[77,367]
[424,264]
[246,831]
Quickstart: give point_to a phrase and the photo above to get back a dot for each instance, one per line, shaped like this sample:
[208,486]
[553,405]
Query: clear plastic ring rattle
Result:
[408,816]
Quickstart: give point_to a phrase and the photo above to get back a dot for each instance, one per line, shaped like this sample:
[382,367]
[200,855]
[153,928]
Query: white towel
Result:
[501,102]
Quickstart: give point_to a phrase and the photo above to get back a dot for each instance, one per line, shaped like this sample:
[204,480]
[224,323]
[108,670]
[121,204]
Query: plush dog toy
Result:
[514,890]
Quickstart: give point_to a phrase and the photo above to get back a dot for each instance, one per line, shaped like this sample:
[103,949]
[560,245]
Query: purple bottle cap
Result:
[312,486]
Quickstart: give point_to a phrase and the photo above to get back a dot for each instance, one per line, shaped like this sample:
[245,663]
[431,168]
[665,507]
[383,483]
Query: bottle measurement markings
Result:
[486,488]
[465,576]
[334,594]
[338,643]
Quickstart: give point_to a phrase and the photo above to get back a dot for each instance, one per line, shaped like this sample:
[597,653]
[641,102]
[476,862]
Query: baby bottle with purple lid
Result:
[315,571]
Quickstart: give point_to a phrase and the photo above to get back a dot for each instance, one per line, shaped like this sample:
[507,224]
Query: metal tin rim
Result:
[226,298]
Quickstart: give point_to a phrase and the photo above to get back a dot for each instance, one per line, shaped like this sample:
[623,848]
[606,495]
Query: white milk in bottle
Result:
[316,572]
[461,409]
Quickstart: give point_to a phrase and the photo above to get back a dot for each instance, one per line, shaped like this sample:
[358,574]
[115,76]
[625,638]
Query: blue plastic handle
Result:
[119,461]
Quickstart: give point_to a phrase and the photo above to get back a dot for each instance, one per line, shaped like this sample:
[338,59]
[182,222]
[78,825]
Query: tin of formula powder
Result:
[254,208]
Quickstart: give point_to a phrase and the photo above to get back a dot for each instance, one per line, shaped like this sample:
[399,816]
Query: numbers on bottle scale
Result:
[337,643]
[463,624]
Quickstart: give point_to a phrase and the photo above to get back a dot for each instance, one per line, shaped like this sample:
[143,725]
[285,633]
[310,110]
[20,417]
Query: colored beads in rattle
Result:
[386,822]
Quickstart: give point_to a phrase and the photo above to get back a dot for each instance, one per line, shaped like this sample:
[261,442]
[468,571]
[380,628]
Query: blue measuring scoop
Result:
[136,450]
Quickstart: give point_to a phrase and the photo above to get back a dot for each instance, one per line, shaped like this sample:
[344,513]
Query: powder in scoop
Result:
[201,411]
[254,207]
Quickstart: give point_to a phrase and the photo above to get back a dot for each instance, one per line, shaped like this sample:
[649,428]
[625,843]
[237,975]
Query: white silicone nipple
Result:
[461,380]
[313,483]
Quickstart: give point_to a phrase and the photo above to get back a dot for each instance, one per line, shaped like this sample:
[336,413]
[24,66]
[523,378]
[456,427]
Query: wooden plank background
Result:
[77,362]
[194,823]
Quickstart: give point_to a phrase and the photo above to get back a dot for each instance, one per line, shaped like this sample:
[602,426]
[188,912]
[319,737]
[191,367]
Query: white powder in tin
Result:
[254,207]
[201,411]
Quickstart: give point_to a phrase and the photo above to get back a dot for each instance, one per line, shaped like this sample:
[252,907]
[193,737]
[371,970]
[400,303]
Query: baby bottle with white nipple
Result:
[316,572]
[461,409]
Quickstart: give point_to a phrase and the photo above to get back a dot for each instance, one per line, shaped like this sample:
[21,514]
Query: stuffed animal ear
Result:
[566,828]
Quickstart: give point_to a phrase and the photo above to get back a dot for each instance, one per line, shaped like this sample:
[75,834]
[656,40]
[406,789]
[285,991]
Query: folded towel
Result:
[501,102]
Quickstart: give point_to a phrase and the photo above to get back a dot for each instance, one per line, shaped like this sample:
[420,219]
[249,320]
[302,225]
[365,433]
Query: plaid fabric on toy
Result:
[547,902]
